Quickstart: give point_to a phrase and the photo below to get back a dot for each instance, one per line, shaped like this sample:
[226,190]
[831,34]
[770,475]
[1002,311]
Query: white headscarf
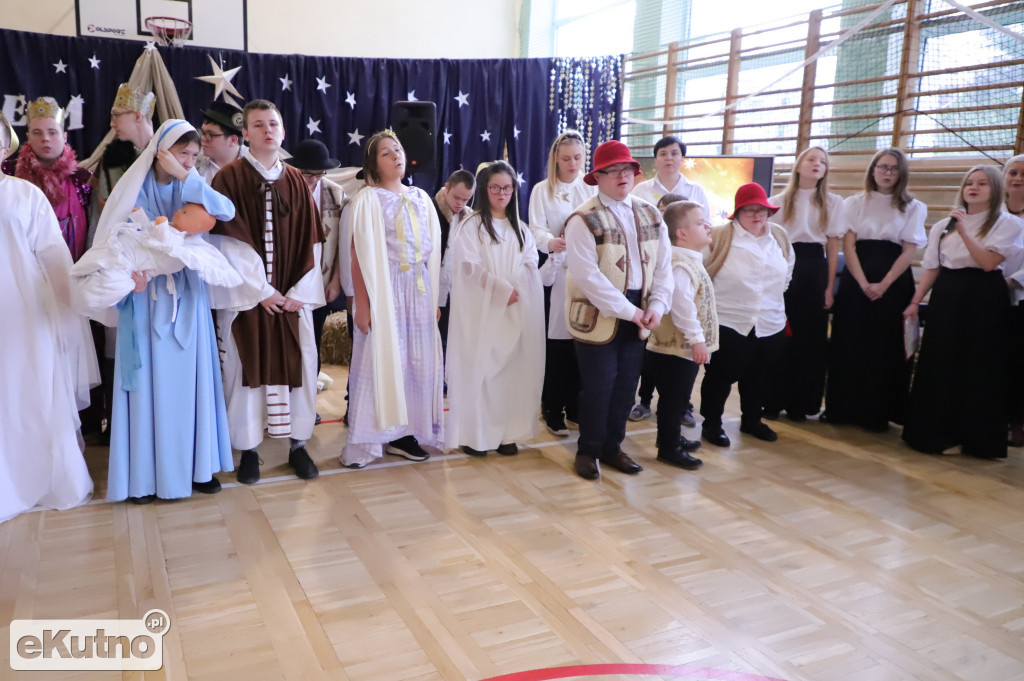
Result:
[123,198]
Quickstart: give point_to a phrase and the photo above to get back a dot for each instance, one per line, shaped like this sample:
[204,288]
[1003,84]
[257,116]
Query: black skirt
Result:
[868,373]
[798,385]
[1016,363]
[960,386]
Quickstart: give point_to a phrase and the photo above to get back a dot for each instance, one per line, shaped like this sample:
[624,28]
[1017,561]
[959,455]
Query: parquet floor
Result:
[833,555]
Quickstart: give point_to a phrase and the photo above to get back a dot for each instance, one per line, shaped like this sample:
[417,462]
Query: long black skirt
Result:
[798,385]
[959,395]
[1016,363]
[868,373]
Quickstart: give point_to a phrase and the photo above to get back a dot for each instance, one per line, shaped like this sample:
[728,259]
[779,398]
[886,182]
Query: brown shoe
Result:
[587,467]
[620,461]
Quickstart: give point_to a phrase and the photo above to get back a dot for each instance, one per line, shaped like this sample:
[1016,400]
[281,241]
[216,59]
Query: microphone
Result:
[950,228]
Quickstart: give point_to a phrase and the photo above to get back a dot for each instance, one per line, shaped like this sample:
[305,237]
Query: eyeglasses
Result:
[495,189]
[621,172]
[753,210]
[314,173]
[893,170]
[211,135]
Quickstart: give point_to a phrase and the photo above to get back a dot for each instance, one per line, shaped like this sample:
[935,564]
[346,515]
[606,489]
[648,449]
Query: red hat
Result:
[752,194]
[609,154]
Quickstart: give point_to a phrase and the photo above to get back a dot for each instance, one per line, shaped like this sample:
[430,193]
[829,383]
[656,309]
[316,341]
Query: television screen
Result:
[720,177]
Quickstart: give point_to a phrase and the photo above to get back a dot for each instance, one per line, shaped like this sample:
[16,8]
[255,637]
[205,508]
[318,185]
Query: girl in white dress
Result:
[496,335]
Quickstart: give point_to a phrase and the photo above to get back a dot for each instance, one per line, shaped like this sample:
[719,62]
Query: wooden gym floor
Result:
[833,554]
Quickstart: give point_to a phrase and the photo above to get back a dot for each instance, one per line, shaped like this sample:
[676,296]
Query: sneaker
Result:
[556,425]
[639,412]
[760,430]
[317,420]
[249,468]
[304,467]
[688,420]
[509,449]
[408,448]
[211,486]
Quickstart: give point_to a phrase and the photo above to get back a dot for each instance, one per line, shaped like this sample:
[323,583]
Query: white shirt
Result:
[210,168]
[548,213]
[871,216]
[1004,238]
[804,227]
[316,195]
[684,308]
[581,256]
[750,286]
[651,190]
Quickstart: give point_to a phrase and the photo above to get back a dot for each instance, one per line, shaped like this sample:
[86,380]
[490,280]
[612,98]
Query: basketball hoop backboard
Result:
[216,23]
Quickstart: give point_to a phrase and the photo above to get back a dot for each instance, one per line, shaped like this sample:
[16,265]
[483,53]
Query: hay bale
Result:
[336,346]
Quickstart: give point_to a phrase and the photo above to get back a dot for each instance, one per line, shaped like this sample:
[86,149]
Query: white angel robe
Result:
[494,385]
[41,460]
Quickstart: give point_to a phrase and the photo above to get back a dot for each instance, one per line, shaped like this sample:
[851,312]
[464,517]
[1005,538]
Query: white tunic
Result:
[652,190]
[248,412]
[41,461]
[803,227]
[494,388]
[872,217]
[1004,238]
[548,215]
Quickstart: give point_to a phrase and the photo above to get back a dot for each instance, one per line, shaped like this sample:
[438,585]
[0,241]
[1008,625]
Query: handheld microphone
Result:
[950,228]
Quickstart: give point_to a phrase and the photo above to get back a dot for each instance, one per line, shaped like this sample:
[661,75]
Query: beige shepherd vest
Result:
[586,323]
[721,242]
[666,339]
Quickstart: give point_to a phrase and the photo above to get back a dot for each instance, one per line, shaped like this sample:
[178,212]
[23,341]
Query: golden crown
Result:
[46,107]
[134,99]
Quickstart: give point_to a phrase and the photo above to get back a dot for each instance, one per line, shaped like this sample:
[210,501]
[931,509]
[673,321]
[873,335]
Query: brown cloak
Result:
[268,345]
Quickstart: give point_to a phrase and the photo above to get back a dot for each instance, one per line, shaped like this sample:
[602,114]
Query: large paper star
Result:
[60,66]
[150,46]
[350,99]
[94,62]
[354,137]
[322,84]
[221,80]
[411,97]
[313,126]
[447,136]
[485,136]
[286,83]
[515,132]
[462,99]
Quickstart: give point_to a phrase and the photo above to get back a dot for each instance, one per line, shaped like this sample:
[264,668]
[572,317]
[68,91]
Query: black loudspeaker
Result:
[415,123]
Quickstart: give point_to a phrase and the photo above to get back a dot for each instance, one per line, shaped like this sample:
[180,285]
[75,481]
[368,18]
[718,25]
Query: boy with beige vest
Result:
[687,336]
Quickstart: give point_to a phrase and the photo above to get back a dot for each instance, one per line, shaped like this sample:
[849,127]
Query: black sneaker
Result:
[556,425]
[760,430]
[688,420]
[141,501]
[248,472]
[509,449]
[472,452]
[680,459]
[407,447]
[211,486]
[304,467]
[317,420]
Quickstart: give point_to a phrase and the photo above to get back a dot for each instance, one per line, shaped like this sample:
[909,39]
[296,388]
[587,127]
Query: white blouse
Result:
[872,217]
[803,227]
[652,190]
[548,213]
[750,286]
[1004,238]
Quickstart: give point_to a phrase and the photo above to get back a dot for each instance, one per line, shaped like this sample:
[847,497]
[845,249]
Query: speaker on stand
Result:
[415,123]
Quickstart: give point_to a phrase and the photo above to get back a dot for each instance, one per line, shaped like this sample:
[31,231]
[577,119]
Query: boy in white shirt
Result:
[669,153]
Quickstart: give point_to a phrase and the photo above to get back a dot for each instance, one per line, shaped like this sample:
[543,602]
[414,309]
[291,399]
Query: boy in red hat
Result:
[618,287]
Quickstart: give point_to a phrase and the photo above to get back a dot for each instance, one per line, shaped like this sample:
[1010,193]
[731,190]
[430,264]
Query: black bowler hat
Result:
[312,155]
[225,114]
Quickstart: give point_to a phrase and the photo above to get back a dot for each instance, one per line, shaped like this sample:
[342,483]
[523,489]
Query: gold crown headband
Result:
[135,99]
[46,107]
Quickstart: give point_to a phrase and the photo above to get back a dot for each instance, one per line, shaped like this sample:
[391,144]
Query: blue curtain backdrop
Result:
[482,105]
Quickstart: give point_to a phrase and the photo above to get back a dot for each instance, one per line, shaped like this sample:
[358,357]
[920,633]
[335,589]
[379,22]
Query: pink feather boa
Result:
[51,179]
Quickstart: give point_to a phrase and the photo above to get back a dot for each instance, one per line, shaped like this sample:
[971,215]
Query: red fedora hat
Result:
[609,154]
[752,194]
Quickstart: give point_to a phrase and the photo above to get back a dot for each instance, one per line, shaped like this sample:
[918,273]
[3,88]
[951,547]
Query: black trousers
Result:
[442,327]
[673,377]
[608,378]
[561,380]
[798,385]
[747,360]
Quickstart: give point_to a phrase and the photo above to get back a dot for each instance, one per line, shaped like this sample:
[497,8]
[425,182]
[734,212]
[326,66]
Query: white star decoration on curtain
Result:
[350,99]
[221,80]
[355,138]
[462,99]
[313,126]
[286,83]
[94,62]
[485,136]
[515,132]
[520,179]
[447,136]
[60,66]
[411,96]
[322,84]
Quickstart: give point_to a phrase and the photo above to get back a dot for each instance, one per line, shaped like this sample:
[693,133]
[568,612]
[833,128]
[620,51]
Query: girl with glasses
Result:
[552,201]
[813,218]
[869,374]
[496,333]
[961,383]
